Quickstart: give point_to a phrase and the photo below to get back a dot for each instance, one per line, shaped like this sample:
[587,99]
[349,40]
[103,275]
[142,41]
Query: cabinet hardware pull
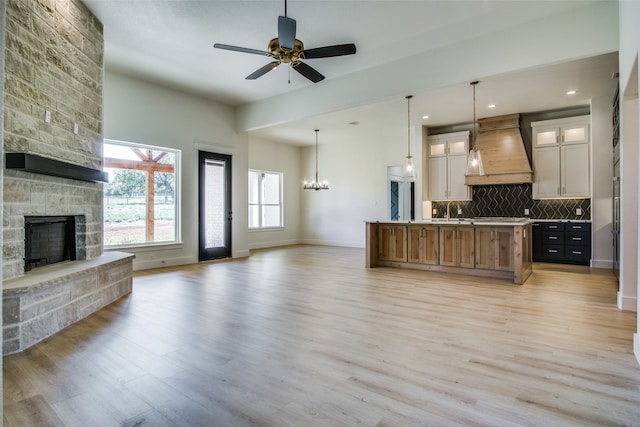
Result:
[553,251]
[553,238]
[577,239]
[576,252]
[553,226]
[577,227]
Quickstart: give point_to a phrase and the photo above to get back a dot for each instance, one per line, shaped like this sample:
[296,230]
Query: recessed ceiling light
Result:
[425,117]
[571,92]
[491,106]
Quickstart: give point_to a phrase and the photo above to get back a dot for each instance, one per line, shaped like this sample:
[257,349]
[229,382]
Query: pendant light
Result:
[474,162]
[408,164]
[316,184]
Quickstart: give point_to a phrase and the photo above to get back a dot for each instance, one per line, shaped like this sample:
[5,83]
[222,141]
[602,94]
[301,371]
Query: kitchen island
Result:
[492,247]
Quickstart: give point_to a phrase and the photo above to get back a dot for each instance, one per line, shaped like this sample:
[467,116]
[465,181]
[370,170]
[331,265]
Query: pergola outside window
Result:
[141,202]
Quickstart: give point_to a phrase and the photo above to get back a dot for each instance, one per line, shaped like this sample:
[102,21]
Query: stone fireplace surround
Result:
[48,299]
[53,57]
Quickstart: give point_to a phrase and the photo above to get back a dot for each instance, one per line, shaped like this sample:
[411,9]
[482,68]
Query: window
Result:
[265,199]
[141,203]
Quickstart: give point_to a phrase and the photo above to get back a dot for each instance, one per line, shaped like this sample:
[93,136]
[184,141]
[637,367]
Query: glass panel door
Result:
[215,206]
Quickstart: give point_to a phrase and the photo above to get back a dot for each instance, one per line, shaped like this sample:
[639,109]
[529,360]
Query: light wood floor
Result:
[306,336]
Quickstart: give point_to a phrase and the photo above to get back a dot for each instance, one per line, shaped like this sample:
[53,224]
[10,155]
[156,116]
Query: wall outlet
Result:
[578,211]
[47,116]
[526,212]
[75,128]
[459,211]
[434,212]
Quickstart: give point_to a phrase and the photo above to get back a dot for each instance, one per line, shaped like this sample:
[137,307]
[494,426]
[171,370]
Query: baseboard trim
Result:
[158,263]
[274,244]
[602,263]
[333,243]
[627,303]
[240,254]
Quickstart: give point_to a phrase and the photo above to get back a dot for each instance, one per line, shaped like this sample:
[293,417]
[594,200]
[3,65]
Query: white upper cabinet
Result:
[446,163]
[561,160]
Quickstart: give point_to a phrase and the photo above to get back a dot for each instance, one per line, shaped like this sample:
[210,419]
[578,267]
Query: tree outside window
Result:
[141,197]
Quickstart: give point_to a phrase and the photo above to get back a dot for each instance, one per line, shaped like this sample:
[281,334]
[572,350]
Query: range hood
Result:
[504,157]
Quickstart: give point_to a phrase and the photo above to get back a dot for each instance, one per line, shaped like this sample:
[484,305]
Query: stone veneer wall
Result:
[53,62]
[2,26]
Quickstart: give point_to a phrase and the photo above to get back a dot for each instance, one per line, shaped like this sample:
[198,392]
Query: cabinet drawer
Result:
[552,226]
[553,251]
[578,254]
[552,238]
[573,226]
[577,238]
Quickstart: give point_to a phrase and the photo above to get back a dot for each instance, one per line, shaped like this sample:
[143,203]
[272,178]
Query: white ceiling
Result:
[171,42]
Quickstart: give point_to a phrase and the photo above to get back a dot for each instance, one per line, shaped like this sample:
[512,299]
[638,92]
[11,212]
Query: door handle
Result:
[229,216]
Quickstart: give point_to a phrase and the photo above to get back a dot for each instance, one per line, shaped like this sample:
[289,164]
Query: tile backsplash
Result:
[511,201]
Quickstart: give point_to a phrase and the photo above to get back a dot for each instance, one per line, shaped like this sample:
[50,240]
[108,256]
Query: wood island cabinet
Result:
[392,243]
[457,246]
[498,250]
[423,244]
[494,248]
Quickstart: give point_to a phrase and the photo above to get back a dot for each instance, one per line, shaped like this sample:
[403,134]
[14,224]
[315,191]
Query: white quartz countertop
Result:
[466,221]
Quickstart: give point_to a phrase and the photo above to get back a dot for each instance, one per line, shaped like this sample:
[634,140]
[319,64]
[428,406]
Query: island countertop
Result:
[508,221]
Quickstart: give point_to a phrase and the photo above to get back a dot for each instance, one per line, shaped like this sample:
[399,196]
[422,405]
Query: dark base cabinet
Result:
[562,242]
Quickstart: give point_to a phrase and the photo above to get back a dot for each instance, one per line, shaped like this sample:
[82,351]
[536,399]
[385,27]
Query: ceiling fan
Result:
[287,49]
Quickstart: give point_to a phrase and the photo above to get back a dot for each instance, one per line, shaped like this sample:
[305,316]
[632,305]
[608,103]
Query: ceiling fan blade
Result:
[308,72]
[329,51]
[263,70]
[241,49]
[286,32]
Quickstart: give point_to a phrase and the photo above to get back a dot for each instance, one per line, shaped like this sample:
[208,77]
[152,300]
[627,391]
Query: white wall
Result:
[146,113]
[277,157]
[629,52]
[356,169]
[602,173]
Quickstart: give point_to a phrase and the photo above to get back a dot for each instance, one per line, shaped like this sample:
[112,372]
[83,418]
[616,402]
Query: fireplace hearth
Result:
[53,239]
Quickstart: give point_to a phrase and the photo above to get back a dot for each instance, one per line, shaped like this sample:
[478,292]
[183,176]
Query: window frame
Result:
[260,203]
[177,196]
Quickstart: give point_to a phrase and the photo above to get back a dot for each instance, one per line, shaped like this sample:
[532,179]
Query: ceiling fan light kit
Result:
[286,49]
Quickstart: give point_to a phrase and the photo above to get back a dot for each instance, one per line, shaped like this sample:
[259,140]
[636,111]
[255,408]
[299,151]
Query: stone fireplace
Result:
[53,65]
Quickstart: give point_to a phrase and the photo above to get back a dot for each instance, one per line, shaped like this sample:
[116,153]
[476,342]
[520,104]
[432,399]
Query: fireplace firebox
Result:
[52,239]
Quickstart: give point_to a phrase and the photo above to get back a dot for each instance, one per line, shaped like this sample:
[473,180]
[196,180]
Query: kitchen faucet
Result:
[448,211]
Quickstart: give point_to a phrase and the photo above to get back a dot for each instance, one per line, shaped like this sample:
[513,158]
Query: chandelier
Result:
[316,184]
